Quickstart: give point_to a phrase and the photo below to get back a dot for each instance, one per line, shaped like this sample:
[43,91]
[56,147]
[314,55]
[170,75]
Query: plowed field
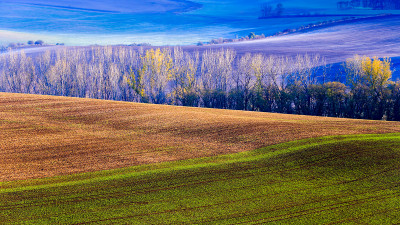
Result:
[43,136]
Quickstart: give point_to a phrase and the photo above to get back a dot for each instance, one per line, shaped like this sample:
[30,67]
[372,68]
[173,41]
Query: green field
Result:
[339,179]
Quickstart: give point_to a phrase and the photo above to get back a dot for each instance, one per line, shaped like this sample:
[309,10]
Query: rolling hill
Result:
[160,6]
[375,36]
[103,162]
[46,136]
[85,161]
[163,22]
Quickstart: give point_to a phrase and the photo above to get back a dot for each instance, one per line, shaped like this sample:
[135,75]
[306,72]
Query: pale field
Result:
[378,36]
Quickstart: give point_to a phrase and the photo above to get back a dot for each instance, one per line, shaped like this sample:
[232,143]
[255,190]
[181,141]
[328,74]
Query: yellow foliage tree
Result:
[183,75]
[153,75]
[137,83]
[369,79]
[376,72]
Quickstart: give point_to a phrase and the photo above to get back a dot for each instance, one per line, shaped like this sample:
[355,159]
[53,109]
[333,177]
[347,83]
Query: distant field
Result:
[378,36]
[43,136]
[329,180]
[107,6]
[161,22]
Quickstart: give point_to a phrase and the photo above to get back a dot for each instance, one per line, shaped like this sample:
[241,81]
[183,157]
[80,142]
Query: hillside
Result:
[68,160]
[333,180]
[377,36]
[45,136]
[130,6]
[162,22]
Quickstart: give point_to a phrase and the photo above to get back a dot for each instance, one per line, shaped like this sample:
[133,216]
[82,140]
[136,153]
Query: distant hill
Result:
[166,22]
[129,6]
[377,36]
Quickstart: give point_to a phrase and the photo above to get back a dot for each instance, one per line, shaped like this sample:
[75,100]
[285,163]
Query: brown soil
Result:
[42,136]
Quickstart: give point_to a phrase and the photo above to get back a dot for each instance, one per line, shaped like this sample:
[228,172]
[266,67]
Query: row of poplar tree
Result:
[212,78]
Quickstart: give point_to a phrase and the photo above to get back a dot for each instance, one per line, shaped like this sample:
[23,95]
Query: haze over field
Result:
[373,37]
[120,6]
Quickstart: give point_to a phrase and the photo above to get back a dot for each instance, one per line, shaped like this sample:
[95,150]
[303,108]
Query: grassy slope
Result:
[43,136]
[346,179]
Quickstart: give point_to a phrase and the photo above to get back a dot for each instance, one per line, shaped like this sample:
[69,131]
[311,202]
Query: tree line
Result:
[213,78]
[373,4]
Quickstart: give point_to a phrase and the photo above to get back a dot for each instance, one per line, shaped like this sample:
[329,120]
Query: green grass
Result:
[342,179]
